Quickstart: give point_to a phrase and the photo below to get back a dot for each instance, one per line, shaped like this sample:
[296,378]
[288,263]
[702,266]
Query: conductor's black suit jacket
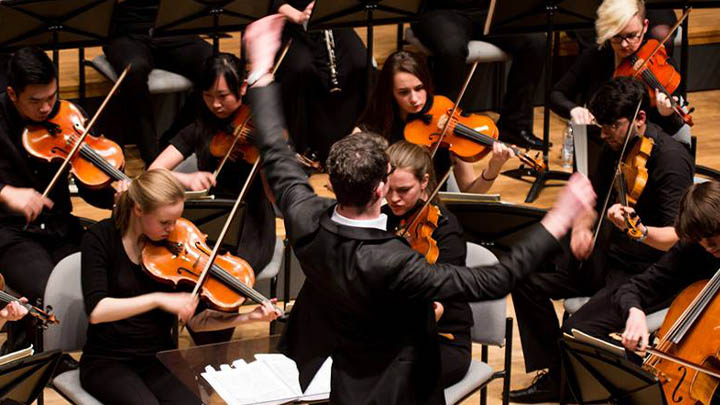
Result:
[367,297]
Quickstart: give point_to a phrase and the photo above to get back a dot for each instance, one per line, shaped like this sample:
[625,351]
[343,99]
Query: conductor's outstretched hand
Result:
[576,199]
[262,41]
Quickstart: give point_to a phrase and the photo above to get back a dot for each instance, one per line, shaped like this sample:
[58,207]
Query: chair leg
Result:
[286,282]
[508,360]
[483,390]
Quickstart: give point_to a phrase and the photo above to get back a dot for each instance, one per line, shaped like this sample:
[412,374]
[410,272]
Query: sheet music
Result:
[581,151]
[22,353]
[270,379]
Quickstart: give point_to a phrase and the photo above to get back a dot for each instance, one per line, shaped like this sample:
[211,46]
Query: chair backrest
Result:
[488,316]
[64,294]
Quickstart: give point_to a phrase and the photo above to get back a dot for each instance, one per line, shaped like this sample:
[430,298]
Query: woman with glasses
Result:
[621,29]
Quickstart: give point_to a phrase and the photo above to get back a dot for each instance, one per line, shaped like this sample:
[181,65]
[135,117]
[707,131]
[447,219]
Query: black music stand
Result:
[183,17]
[496,225]
[548,16]
[328,14]
[210,216]
[54,24]
[23,380]
[597,376]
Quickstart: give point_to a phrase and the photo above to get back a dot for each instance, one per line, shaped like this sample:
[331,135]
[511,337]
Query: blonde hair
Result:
[153,189]
[416,159]
[614,15]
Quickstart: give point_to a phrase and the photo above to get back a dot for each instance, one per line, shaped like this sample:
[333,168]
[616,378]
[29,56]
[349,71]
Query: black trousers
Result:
[27,258]
[142,382]
[537,321]
[447,33]
[454,361]
[315,117]
[182,55]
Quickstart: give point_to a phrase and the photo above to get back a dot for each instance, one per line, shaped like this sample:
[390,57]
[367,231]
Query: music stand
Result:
[54,24]
[23,380]
[328,14]
[597,376]
[184,17]
[548,16]
[210,216]
[495,225]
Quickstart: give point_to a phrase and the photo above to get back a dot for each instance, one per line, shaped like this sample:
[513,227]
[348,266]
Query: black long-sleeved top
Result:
[670,173]
[457,318]
[681,266]
[591,69]
[366,299]
[108,272]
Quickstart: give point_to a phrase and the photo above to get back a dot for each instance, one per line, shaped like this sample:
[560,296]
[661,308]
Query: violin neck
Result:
[474,135]
[101,163]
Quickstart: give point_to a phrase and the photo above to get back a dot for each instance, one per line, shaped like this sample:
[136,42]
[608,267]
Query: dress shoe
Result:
[522,138]
[544,388]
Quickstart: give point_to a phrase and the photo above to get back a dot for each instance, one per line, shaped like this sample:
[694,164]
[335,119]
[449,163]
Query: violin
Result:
[650,63]
[418,232]
[632,179]
[238,144]
[469,138]
[686,359]
[45,317]
[98,162]
[181,258]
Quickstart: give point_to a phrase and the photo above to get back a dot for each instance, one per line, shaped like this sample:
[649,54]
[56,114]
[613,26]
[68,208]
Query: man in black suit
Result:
[367,300]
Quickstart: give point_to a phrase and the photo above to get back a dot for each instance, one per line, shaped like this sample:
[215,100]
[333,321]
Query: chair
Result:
[64,293]
[654,320]
[478,51]
[491,327]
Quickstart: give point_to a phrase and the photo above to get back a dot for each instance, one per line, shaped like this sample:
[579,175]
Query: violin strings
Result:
[95,158]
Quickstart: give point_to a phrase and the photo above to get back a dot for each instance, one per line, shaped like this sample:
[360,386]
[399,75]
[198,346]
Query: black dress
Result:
[317,118]
[455,352]
[118,365]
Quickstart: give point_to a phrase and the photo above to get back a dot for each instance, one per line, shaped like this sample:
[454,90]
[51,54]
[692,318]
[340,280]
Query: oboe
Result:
[332,63]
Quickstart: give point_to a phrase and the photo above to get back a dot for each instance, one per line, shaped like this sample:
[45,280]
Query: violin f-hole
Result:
[676,397]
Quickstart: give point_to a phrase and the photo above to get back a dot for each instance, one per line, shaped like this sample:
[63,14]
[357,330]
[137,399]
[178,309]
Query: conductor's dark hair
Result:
[356,165]
[29,66]
[618,99]
[697,216]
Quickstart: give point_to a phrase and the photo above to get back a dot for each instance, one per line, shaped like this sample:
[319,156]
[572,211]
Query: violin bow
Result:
[242,126]
[663,355]
[85,133]
[630,130]
[435,192]
[454,109]
[223,232]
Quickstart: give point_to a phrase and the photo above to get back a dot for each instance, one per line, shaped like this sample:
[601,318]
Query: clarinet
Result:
[332,62]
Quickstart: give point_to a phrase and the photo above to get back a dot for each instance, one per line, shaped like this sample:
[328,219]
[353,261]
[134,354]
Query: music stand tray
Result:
[597,376]
[54,24]
[23,380]
[210,216]
[184,17]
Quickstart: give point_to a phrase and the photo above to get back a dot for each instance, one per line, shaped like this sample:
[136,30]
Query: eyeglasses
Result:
[609,127]
[630,38]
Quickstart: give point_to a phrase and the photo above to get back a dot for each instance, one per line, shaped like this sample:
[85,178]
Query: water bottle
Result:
[566,154]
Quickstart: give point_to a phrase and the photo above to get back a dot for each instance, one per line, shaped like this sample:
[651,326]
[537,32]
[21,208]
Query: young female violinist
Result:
[130,313]
[409,186]
[223,86]
[404,91]
[621,29]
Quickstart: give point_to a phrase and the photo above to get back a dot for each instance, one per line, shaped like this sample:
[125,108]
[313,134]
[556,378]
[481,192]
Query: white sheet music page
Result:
[249,383]
[286,369]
